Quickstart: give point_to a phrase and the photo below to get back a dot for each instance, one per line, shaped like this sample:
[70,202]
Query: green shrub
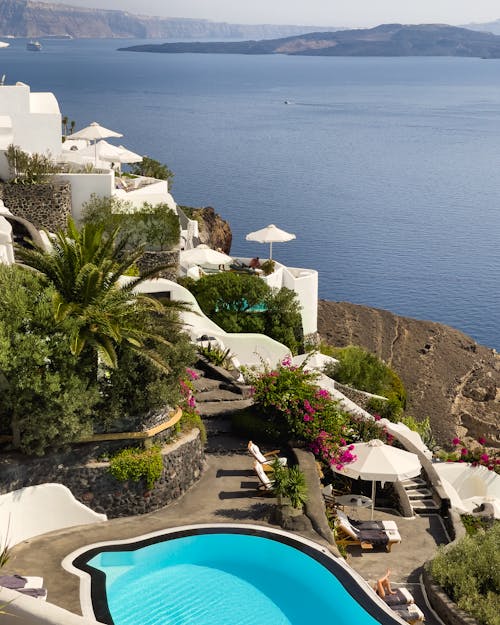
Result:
[151,168]
[135,464]
[191,419]
[268,267]
[421,427]
[289,482]
[29,168]
[216,355]
[469,572]
[156,227]
[364,371]
[230,300]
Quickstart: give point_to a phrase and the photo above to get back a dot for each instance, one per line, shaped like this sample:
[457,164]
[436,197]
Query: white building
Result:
[31,121]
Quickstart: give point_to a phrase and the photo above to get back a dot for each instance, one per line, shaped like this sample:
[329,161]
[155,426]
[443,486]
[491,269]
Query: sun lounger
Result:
[410,613]
[349,535]
[266,483]
[367,525]
[402,597]
[267,459]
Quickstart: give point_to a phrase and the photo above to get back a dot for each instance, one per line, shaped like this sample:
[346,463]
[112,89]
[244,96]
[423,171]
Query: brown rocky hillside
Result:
[448,376]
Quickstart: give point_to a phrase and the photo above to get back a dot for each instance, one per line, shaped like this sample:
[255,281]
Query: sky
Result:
[310,12]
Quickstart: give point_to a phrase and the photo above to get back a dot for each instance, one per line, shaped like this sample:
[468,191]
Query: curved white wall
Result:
[249,349]
[468,486]
[35,510]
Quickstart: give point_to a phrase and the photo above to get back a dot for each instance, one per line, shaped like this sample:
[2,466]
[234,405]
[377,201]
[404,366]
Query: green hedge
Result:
[469,572]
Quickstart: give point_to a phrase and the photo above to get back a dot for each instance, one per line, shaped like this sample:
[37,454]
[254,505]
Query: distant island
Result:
[384,40]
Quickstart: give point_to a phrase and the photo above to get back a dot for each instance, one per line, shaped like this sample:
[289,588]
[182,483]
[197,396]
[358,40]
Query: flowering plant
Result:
[290,398]
[476,455]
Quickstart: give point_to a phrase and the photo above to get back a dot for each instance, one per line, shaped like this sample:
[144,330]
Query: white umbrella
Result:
[127,156]
[270,234]
[93,132]
[204,255]
[377,461]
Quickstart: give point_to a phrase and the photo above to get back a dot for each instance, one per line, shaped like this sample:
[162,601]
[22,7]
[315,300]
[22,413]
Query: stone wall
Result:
[449,612]
[46,206]
[152,259]
[92,484]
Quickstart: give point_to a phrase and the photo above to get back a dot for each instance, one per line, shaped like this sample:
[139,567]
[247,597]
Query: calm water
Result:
[225,579]
[387,170]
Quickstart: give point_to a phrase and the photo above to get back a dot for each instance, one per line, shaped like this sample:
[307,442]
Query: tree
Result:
[152,168]
[244,303]
[154,226]
[47,393]
[85,268]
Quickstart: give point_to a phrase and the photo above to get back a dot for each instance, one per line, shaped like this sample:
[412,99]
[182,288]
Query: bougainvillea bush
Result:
[299,408]
[478,455]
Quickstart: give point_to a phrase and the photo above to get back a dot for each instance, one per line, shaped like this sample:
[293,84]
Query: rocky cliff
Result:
[24,18]
[448,376]
[213,230]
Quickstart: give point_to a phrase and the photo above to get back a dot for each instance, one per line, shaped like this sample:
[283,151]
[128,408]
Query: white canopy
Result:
[93,132]
[204,255]
[377,461]
[270,234]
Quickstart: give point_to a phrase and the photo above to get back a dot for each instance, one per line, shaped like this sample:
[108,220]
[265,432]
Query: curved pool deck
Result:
[226,493]
[238,572]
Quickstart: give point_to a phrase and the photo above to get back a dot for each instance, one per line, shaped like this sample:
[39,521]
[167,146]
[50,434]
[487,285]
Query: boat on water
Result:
[34,46]
[4,44]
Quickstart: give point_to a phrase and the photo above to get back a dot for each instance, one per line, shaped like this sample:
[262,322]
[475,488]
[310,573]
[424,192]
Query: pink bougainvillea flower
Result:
[307,417]
[286,362]
[464,451]
[377,417]
[481,440]
[192,374]
[484,458]
[456,441]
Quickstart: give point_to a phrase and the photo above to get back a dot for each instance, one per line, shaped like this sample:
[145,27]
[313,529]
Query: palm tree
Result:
[64,121]
[72,124]
[86,269]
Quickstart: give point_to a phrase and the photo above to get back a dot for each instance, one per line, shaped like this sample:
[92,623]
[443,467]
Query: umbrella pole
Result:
[271,250]
[374,490]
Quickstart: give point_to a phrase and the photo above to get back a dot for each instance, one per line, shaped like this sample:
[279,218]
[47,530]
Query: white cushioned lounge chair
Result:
[267,459]
[367,537]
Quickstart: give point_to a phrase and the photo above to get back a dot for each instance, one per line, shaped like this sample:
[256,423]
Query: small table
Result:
[354,501]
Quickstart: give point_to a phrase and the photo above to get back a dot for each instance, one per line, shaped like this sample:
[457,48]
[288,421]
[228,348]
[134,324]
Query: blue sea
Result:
[386,169]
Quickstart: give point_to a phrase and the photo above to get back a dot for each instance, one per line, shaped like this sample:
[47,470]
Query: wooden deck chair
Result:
[266,484]
[348,535]
[267,459]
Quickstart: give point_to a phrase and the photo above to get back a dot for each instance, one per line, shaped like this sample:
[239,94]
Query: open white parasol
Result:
[270,234]
[378,462]
[203,255]
[94,132]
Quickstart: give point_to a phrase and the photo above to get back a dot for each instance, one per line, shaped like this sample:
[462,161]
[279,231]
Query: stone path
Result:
[227,492]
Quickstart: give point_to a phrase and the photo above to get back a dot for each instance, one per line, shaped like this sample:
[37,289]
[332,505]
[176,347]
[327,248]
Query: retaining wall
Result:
[46,206]
[93,485]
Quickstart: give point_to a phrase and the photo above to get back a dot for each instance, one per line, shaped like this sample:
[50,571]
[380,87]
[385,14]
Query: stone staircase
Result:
[218,396]
[420,496]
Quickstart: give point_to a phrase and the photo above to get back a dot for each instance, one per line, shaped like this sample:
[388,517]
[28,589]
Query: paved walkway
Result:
[227,492]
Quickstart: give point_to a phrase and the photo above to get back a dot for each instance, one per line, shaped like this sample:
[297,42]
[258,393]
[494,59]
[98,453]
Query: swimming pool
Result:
[222,575]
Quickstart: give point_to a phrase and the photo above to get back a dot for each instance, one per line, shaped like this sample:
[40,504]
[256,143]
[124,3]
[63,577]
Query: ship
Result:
[34,46]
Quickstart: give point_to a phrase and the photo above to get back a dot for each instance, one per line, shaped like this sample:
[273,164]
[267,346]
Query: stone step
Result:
[424,505]
[217,395]
[205,384]
[217,426]
[419,493]
[210,409]
[416,482]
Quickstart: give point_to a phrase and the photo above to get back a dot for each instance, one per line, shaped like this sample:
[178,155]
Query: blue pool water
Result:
[224,578]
